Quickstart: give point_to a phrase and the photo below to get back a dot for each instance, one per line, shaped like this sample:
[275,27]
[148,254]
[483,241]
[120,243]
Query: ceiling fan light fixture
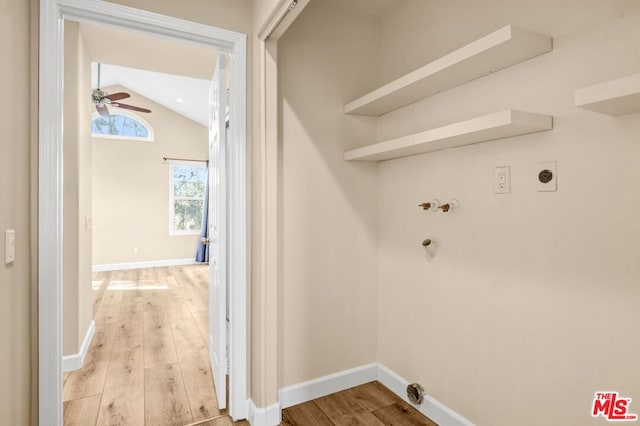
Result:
[101,99]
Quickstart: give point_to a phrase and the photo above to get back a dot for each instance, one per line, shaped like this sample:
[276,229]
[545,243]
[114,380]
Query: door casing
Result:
[50,179]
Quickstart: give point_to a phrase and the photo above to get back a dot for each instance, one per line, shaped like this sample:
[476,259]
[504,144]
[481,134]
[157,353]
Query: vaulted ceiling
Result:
[173,74]
[184,95]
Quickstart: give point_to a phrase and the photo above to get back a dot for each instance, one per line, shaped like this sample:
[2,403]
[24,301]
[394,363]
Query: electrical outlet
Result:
[136,250]
[502,180]
[547,178]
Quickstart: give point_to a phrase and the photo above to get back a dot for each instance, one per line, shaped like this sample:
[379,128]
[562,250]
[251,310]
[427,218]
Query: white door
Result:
[218,231]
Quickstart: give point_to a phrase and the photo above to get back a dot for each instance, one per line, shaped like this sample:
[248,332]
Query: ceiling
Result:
[174,74]
[184,95]
[171,73]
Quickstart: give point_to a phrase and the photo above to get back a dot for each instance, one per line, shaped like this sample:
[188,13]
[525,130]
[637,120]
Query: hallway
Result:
[148,362]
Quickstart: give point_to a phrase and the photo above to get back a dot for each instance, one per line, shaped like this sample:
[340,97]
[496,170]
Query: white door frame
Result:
[52,16]
[265,350]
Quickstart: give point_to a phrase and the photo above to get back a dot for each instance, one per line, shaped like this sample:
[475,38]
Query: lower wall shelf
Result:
[499,125]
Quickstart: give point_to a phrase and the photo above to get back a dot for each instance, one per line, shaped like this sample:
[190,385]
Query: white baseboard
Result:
[322,386]
[430,407]
[270,416]
[140,265]
[75,361]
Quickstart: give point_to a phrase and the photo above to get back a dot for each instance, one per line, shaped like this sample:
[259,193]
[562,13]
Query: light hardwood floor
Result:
[148,363]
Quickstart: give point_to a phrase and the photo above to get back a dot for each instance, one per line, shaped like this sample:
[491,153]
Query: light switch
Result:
[87,223]
[9,246]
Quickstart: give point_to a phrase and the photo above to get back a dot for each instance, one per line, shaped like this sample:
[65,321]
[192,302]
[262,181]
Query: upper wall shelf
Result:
[499,125]
[616,97]
[500,49]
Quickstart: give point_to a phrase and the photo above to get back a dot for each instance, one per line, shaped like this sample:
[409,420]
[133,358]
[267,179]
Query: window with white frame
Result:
[187,187]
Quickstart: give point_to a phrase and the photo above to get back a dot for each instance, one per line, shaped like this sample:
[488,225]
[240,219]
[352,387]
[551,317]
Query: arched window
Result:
[121,125]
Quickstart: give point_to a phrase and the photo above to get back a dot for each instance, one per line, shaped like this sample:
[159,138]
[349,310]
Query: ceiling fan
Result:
[102,99]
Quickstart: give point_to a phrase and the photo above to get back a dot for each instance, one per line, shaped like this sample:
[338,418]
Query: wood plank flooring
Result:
[368,405]
[148,363]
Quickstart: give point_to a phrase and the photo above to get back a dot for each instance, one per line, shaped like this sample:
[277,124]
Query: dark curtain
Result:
[202,255]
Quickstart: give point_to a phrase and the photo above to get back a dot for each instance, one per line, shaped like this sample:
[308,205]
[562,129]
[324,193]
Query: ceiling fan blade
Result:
[102,109]
[131,107]
[117,96]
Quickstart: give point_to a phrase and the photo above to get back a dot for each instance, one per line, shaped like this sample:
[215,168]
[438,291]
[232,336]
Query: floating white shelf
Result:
[499,125]
[616,97]
[500,49]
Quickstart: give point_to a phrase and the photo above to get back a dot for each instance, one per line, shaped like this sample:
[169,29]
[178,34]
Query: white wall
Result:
[229,14]
[77,291]
[131,188]
[328,285]
[530,305]
[15,208]
[18,193]
[262,10]
[107,46]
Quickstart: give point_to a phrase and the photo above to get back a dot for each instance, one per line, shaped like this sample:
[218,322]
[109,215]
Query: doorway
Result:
[50,184]
[145,133]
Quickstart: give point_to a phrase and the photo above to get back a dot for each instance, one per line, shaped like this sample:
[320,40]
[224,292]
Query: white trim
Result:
[50,216]
[270,416]
[145,264]
[52,15]
[75,361]
[430,407]
[267,277]
[322,386]
[267,309]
